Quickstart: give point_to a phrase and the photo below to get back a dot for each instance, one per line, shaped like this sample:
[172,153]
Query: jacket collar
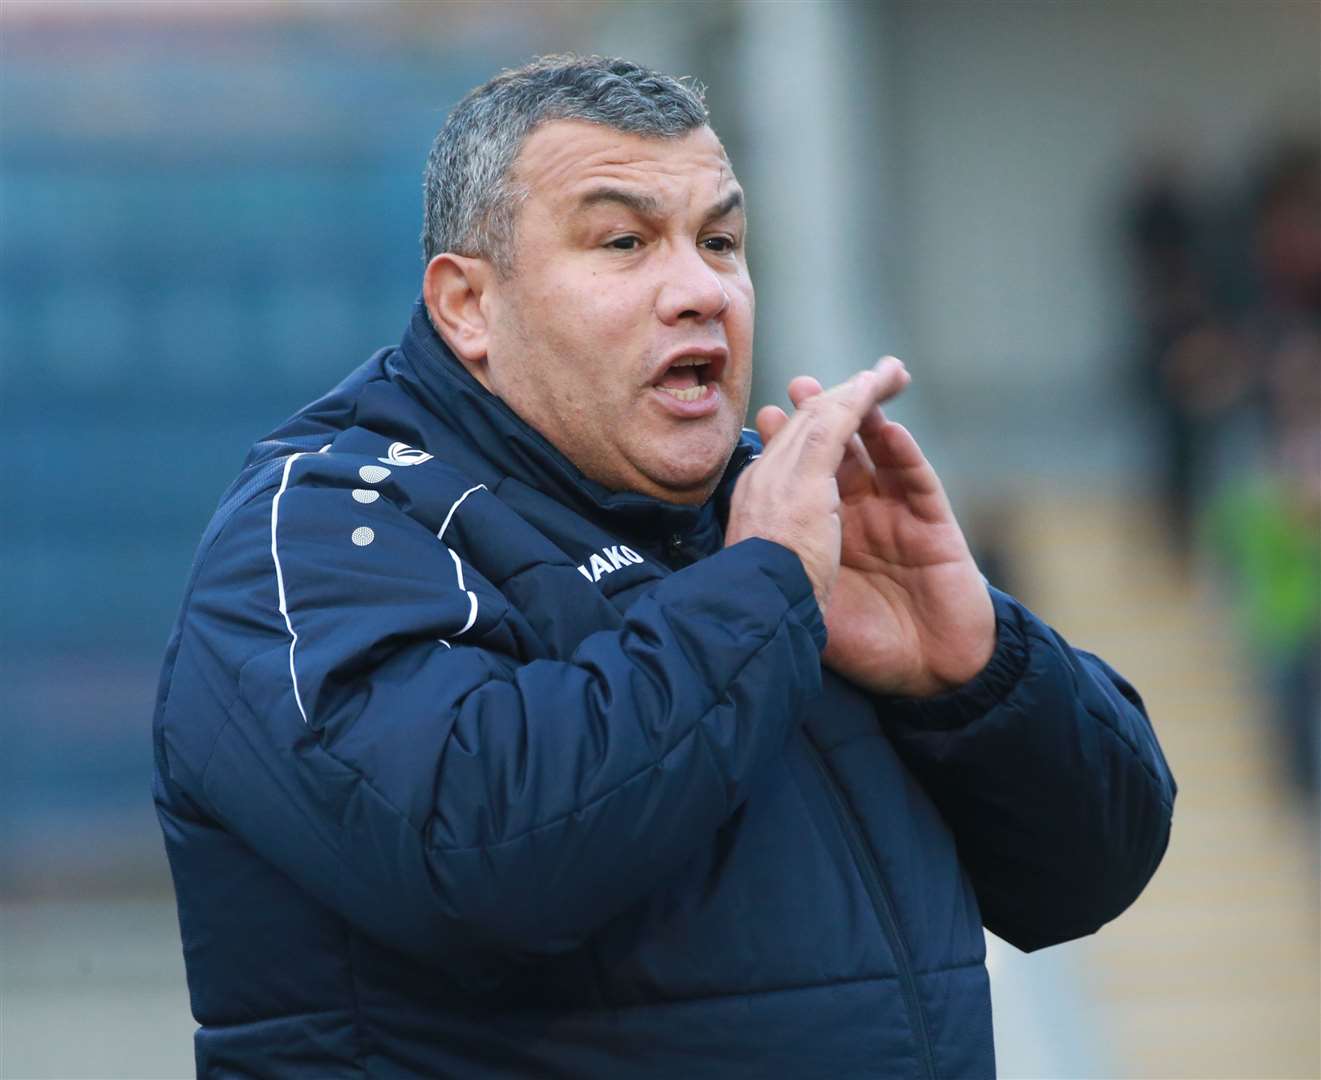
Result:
[427,368]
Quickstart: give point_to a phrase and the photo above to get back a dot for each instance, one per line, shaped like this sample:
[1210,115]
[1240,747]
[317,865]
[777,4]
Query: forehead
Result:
[564,159]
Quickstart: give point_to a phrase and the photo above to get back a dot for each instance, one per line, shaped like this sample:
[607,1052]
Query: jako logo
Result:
[403,454]
[608,561]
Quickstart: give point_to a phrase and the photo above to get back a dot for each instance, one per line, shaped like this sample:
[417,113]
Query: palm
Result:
[904,616]
[909,612]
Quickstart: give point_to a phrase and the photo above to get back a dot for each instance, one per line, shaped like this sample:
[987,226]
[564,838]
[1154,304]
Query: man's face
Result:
[624,333]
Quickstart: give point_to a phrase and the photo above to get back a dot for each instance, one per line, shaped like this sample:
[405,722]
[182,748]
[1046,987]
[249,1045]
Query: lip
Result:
[689,410]
[714,356]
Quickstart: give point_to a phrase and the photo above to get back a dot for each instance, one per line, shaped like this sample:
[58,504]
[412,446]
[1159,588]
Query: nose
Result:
[692,289]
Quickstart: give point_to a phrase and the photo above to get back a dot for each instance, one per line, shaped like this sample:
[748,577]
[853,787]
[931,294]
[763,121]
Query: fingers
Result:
[856,471]
[892,446]
[824,429]
[881,445]
[770,422]
[894,377]
[802,388]
[828,419]
[832,416]
[793,494]
[897,454]
[891,369]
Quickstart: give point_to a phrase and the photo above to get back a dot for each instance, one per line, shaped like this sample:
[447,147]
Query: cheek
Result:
[611,310]
[739,328]
[603,339]
[576,291]
[747,301]
[588,320]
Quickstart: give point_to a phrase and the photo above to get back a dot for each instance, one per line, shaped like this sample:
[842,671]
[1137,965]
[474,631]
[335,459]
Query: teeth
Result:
[692,393]
[689,361]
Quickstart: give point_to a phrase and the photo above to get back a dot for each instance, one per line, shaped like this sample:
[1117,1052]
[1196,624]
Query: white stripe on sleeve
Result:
[279,580]
[472,596]
[457,503]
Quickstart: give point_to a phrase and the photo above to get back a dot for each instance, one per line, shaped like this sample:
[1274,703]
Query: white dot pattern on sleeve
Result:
[373,474]
[366,495]
[362,535]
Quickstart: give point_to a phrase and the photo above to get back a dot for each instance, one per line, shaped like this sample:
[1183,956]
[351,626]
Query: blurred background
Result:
[1093,230]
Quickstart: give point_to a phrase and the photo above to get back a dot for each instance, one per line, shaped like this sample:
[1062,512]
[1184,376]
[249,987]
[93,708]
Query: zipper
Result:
[679,557]
[883,905]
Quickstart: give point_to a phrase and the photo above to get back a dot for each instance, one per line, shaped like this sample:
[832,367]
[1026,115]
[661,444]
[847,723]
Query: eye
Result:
[720,244]
[624,243]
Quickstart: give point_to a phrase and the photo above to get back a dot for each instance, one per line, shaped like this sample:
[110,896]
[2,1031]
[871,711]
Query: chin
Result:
[692,477]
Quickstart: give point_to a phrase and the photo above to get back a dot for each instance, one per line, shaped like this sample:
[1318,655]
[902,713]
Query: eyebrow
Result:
[731,202]
[646,205]
[649,205]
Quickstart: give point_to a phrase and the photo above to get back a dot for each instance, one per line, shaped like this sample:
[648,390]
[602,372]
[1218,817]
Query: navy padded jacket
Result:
[468,767]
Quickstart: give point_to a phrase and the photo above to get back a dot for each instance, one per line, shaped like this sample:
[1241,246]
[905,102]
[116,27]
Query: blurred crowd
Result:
[1229,299]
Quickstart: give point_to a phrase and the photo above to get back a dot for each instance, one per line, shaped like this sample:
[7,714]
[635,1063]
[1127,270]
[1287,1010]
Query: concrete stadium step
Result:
[1214,972]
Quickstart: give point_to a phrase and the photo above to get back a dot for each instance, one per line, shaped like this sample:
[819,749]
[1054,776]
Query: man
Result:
[526,718]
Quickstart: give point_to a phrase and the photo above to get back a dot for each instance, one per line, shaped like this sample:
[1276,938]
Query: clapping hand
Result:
[906,608]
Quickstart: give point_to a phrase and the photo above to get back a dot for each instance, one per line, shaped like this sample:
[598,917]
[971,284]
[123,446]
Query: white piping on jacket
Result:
[458,566]
[279,581]
[279,572]
[457,503]
[472,596]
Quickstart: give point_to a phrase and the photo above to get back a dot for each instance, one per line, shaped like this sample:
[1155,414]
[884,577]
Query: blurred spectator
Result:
[1190,365]
[1232,352]
[1266,526]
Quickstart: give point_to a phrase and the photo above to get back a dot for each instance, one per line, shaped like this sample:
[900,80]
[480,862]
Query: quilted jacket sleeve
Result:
[1050,776]
[385,749]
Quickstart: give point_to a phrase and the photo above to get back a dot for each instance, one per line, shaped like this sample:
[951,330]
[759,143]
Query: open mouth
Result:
[690,377]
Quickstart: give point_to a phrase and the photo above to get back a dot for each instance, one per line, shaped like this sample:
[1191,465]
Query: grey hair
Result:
[470,198]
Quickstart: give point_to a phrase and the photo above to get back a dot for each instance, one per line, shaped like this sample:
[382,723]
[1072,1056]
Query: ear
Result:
[452,288]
